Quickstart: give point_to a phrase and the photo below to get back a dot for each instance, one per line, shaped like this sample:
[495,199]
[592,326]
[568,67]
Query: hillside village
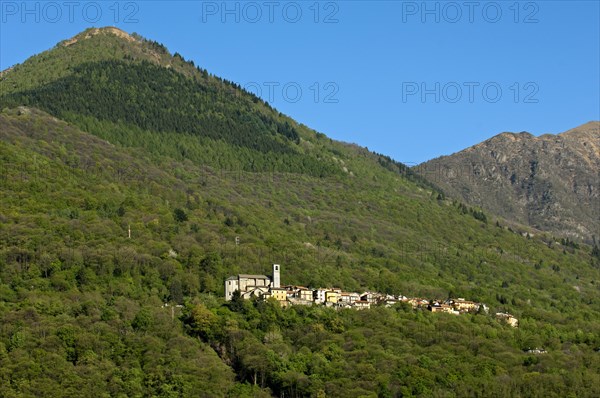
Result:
[264,287]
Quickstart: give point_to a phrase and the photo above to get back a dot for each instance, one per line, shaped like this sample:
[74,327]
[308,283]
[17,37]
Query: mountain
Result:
[170,96]
[550,182]
[133,184]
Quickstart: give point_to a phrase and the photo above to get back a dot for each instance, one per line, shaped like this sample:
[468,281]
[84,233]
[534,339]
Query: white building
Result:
[319,295]
[276,278]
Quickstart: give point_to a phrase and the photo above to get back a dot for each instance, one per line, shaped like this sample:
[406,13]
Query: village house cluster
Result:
[261,286]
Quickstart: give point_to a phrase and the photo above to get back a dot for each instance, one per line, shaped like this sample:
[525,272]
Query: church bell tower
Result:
[276,277]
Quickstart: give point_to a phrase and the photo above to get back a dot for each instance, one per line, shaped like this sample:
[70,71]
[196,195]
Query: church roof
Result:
[248,276]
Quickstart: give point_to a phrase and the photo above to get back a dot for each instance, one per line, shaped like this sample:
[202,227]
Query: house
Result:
[299,295]
[295,291]
[349,298]
[319,295]
[418,302]
[368,296]
[332,296]
[304,294]
[508,318]
[279,293]
[291,294]
[463,305]
[437,307]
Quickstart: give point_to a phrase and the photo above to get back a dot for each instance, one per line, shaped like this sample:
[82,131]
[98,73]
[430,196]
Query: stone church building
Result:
[252,285]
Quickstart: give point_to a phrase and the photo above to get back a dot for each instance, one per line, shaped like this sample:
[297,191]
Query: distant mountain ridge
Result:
[550,182]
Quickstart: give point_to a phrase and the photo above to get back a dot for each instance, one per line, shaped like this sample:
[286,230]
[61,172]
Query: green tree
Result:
[179,215]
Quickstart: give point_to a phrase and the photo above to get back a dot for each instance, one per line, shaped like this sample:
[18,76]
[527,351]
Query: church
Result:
[252,285]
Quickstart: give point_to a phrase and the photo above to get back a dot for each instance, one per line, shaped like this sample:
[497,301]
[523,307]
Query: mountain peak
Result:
[91,32]
[87,47]
[507,137]
[548,181]
[589,129]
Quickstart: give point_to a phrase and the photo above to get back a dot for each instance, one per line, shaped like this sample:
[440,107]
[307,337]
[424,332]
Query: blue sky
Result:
[412,80]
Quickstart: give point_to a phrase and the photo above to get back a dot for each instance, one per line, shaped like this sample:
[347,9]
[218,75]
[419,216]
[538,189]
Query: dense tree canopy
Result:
[79,294]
